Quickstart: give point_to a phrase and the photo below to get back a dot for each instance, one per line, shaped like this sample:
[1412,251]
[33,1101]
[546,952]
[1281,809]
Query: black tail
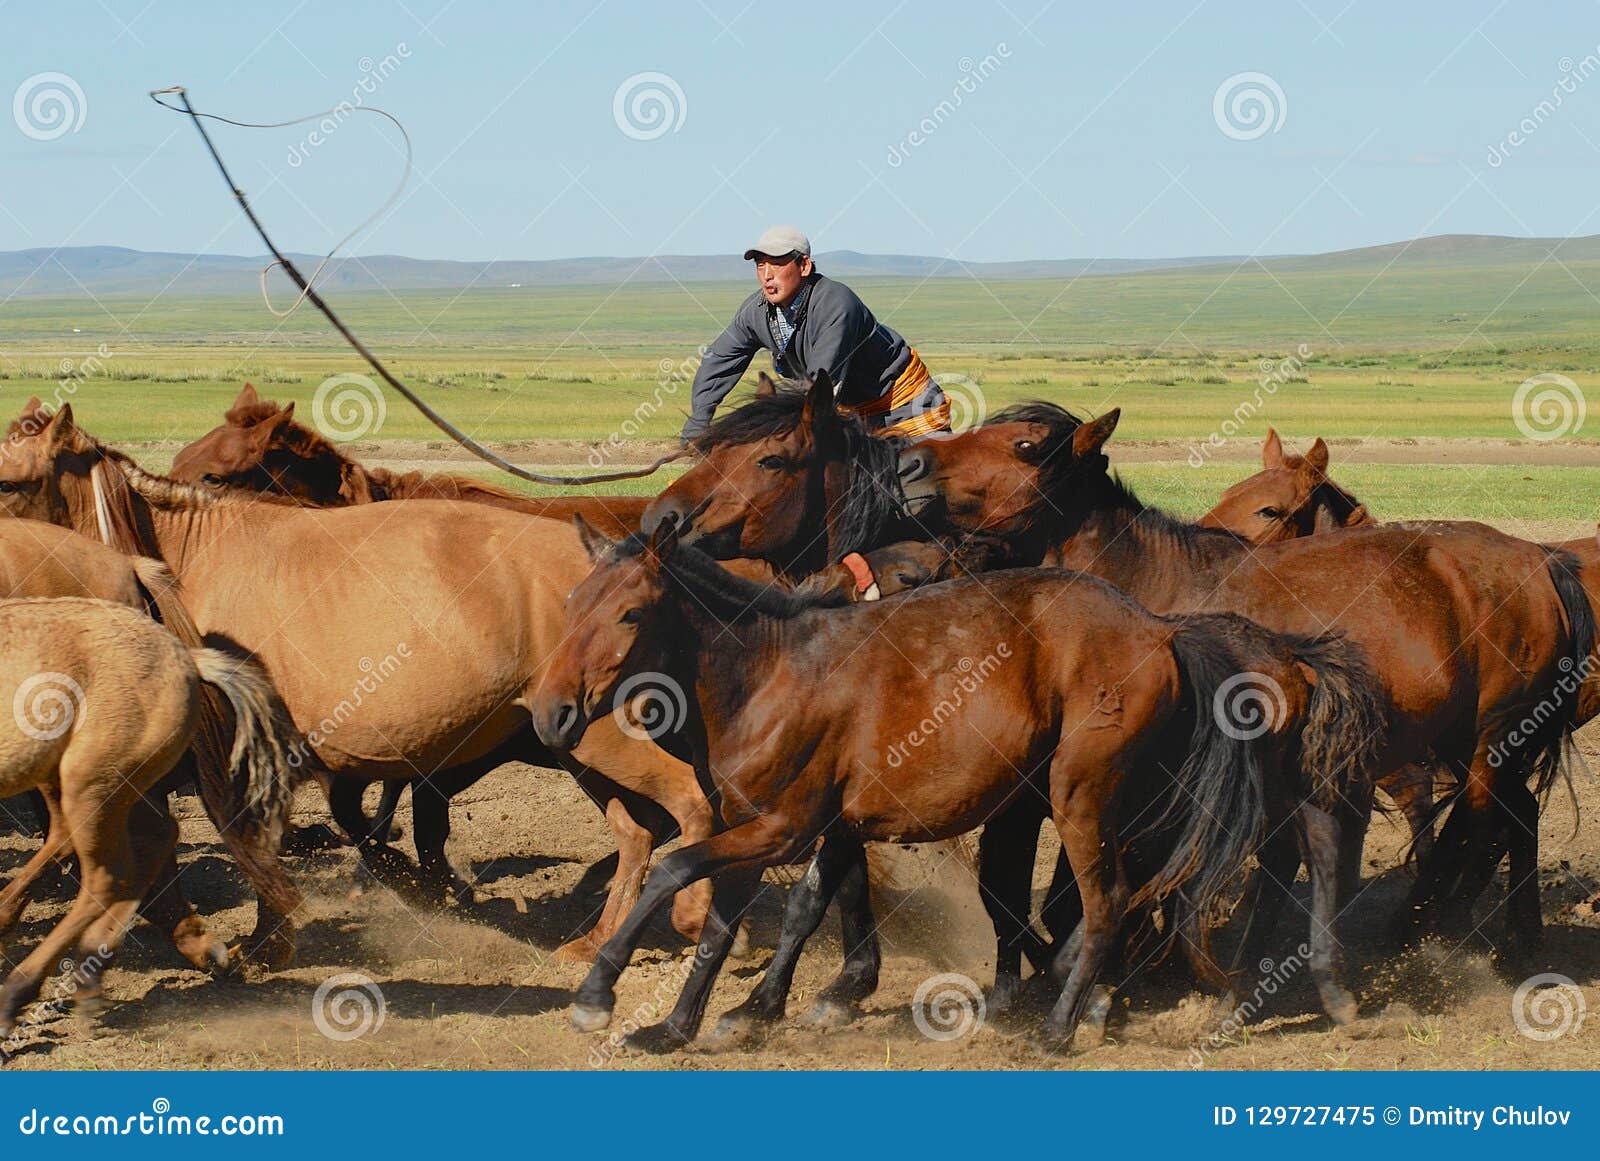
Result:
[1215,808]
[1345,722]
[1555,719]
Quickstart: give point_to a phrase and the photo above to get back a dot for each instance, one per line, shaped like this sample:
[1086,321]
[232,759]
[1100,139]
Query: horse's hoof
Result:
[1342,1008]
[580,950]
[218,959]
[588,1018]
[1056,1041]
[273,951]
[1003,996]
[736,1030]
[827,1013]
[657,1039]
[741,943]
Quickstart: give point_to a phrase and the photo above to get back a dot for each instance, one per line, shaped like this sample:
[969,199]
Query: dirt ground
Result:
[474,986]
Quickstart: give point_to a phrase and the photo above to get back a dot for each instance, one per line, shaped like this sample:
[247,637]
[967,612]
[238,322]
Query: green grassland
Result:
[1413,350]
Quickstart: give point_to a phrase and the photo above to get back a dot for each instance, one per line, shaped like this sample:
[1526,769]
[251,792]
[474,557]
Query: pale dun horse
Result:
[103,702]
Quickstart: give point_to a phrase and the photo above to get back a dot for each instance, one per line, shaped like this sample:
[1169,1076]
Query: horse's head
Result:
[1290,496]
[45,462]
[785,478]
[260,448]
[617,628]
[998,478]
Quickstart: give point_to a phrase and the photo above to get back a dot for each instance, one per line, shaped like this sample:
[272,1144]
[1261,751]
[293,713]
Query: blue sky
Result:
[1091,131]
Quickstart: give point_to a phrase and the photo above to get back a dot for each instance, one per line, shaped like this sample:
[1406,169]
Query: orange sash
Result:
[913,381]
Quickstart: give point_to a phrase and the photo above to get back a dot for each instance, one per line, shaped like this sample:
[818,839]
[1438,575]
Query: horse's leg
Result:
[1524,921]
[1006,851]
[108,869]
[383,822]
[750,845]
[1080,795]
[836,1004]
[608,764]
[732,894]
[634,844]
[164,906]
[802,914]
[57,844]
[1270,887]
[1320,834]
[1439,871]
[1411,790]
[1353,815]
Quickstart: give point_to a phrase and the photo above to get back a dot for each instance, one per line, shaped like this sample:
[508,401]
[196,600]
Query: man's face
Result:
[781,278]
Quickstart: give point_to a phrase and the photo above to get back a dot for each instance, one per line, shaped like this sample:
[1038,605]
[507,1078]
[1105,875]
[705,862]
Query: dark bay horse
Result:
[1073,702]
[1471,631]
[404,644]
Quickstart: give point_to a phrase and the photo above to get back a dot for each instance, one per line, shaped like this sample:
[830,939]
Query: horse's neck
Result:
[1145,555]
[179,531]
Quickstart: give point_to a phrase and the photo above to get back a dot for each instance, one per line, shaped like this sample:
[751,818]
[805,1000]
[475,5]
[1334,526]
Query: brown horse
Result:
[42,560]
[1290,496]
[404,646]
[261,448]
[1471,631]
[778,725]
[106,702]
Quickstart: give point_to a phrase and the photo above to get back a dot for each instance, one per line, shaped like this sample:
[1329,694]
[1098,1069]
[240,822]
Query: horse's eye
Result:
[211,480]
[1024,445]
[1271,513]
[770,463]
[7,488]
[632,616]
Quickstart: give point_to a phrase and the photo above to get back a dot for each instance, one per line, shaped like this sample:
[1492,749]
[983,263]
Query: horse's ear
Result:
[821,413]
[1091,436]
[663,542]
[1272,450]
[1317,457]
[269,429]
[247,397]
[1358,516]
[766,386]
[595,543]
[60,425]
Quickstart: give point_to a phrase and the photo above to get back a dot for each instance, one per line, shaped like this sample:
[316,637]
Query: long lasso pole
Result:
[309,293]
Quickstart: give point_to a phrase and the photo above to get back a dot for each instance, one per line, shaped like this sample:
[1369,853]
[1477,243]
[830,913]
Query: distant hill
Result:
[110,270]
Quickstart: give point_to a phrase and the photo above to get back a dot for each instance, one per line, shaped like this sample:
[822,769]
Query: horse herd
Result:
[868,640]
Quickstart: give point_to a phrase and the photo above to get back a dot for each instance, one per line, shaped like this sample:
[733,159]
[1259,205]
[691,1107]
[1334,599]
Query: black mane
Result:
[731,599]
[873,502]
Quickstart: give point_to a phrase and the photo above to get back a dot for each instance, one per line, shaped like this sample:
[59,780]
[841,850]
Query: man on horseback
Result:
[810,324]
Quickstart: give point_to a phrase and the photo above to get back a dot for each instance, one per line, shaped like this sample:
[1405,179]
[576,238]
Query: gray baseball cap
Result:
[779,241]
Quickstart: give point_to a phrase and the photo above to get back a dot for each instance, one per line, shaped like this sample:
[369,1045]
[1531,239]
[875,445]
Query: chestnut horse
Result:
[1471,631]
[42,560]
[778,726]
[106,702]
[259,447]
[404,647]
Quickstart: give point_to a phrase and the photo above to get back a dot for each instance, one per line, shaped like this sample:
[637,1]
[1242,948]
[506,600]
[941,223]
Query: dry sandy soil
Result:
[474,986]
